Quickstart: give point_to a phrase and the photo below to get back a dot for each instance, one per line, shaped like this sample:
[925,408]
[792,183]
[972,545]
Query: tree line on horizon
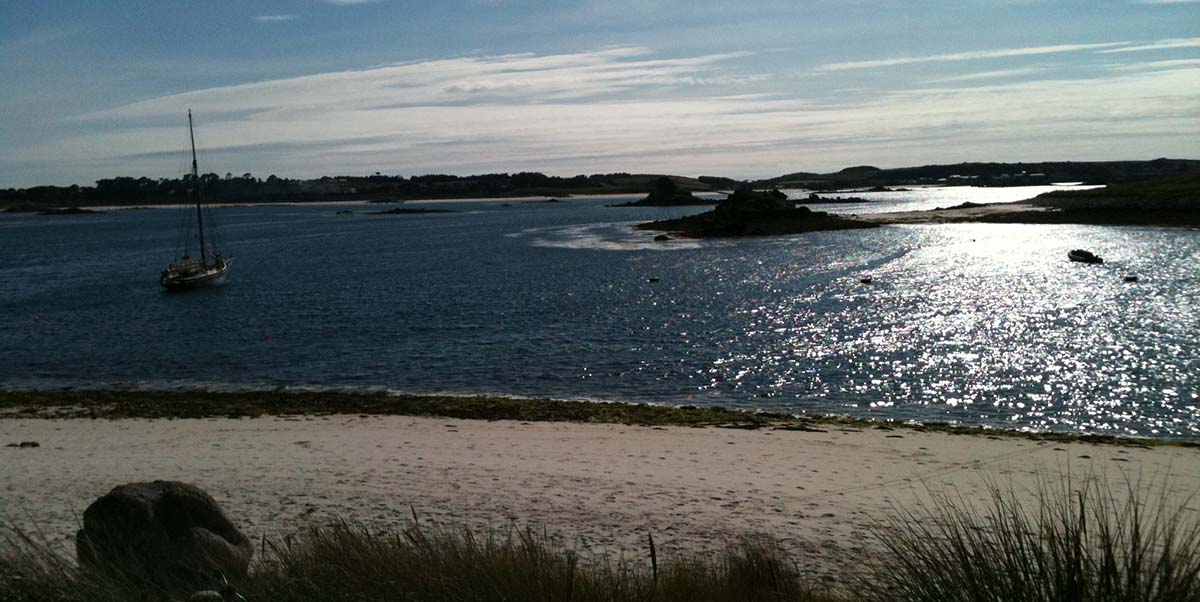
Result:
[229,188]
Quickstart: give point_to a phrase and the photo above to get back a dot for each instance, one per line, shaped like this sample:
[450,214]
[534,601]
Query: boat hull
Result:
[212,276]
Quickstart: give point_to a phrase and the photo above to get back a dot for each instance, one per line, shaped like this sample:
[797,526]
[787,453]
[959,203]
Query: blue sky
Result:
[756,88]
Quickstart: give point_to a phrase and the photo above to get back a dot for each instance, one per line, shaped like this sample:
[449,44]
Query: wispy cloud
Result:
[606,110]
[985,75]
[274,18]
[966,56]
[522,78]
[1167,64]
[1159,45]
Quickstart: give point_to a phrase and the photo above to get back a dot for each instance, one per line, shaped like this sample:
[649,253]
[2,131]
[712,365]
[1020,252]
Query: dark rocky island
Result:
[667,193]
[748,212]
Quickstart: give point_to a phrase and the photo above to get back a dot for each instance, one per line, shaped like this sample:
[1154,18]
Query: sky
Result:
[746,89]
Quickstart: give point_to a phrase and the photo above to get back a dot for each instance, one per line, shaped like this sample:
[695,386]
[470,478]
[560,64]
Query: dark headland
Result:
[1173,201]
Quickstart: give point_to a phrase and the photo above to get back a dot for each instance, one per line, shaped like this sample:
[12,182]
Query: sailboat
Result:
[210,267]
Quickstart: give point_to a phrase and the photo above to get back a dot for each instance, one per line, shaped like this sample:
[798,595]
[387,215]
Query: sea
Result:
[970,324]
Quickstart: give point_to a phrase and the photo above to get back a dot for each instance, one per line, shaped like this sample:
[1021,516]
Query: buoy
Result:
[267,335]
[37,317]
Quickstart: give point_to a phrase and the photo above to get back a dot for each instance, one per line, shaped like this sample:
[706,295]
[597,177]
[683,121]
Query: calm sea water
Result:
[973,324]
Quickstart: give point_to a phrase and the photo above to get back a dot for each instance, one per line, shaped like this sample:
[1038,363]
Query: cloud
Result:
[965,56]
[1159,45]
[997,74]
[621,109]
[1168,64]
[274,18]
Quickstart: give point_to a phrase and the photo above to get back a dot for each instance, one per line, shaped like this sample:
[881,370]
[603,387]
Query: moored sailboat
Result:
[211,266]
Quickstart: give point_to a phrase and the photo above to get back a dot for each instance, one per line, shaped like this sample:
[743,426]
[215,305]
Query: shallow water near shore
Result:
[973,324]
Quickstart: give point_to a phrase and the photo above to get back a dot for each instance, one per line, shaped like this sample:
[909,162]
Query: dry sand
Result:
[597,486]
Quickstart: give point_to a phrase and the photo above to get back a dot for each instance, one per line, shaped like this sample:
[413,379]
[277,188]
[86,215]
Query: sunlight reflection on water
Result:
[975,324]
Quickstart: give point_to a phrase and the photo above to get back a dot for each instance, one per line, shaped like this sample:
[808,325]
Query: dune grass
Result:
[1077,541]
[1071,541]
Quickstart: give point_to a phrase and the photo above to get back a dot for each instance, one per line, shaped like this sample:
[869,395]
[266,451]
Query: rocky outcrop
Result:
[171,533]
[748,200]
[748,212]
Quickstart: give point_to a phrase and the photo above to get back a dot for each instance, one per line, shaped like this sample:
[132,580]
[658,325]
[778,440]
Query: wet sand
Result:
[596,486]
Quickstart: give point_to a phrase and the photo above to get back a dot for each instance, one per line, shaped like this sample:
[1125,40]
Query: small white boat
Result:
[211,266]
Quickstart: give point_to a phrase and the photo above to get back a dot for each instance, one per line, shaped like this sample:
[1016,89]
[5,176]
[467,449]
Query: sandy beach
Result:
[955,215]
[596,486]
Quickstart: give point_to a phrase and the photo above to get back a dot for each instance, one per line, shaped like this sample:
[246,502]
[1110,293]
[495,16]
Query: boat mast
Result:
[196,192]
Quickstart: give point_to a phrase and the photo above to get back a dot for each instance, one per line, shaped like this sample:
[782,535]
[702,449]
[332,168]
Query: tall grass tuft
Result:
[344,563]
[1075,542]
[436,564]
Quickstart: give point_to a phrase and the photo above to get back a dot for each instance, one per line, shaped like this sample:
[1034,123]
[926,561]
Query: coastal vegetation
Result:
[1170,201]
[1076,541]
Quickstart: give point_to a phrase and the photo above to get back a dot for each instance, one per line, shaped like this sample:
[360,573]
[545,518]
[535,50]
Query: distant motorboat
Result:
[210,267]
[1083,256]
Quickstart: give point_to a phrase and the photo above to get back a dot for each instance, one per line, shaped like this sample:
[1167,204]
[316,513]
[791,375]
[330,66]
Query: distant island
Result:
[667,193]
[871,179]
[246,188]
[749,212]
[1171,201]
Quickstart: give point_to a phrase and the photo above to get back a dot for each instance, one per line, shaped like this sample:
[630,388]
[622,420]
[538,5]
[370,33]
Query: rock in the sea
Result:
[748,200]
[169,532]
[662,238]
[748,212]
